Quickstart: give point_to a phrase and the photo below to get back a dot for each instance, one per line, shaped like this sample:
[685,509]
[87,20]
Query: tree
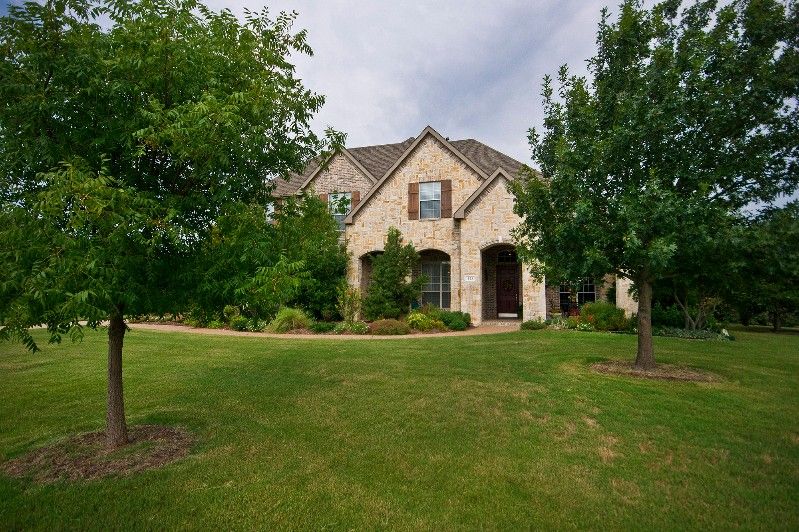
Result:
[688,117]
[769,278]
[121,145]
[391,289]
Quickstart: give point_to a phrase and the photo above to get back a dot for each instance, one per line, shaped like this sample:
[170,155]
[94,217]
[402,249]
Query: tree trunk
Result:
[116,431]
[645,359]
[776,322]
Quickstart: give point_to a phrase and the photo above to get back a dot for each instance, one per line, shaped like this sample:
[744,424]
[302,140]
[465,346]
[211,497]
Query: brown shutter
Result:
[356,199]
[323,197]
[413,201]
[446,198]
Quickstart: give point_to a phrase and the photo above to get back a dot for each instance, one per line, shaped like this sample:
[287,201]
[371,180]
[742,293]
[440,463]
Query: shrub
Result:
[390,293]
[239,323]
[230,311]
[455,320]
[289,319]
[349,302]
[557,322]
[585,326]
[389,326]
[534,325]
[356,327]
[603,316]
[215,324]
[667,316]
[321,327]
[419,321]
[257,325]
[456,324]
[572,322]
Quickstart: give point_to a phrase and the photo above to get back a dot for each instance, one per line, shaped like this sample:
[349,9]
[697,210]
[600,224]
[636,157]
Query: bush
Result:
[419,321]
[239,323]
[557,322]
[356,327]
[389,326]
[534,325]
[572,322]
[349,302]
[603,316]
[390,293]
[230,311]
[289,319]
[667,316]
[215,324]
[454,320]
[321,327]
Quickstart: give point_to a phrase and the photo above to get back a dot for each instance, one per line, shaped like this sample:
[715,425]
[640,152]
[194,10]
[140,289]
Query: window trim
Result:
[422,184]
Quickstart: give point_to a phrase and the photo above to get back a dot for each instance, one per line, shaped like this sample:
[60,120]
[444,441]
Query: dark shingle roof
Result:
[378,159]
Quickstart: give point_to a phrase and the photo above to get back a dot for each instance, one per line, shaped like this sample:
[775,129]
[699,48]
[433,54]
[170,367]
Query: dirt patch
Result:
[661,371]
[85,456]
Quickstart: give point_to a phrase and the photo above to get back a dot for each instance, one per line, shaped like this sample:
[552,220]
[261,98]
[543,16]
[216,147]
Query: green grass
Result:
[502,431]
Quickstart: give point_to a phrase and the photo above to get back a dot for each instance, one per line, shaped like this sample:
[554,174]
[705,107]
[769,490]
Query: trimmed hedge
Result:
[389,326]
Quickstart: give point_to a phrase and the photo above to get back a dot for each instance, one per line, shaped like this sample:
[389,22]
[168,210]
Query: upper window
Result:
[430,200]
[339,205]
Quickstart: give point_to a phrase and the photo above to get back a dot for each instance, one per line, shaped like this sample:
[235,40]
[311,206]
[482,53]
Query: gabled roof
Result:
[499,173]
[376,161]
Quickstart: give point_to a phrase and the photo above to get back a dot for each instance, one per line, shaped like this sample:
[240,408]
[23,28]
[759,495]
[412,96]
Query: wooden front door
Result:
[507,290]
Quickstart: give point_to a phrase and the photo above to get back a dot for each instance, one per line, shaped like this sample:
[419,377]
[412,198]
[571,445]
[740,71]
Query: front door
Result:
[507,291]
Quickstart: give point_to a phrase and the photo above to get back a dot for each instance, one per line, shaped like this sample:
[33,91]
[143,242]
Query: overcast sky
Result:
[469,68]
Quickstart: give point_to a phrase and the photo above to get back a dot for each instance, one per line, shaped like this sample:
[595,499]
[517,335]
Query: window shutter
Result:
[356,199]
[413,201]
[323,197]
[446,198]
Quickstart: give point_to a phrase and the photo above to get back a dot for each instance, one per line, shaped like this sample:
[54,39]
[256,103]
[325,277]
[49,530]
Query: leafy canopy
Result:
[390,291]
[121,145]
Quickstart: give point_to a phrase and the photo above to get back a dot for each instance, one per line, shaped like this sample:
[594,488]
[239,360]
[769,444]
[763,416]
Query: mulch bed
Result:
[661,371]
[85,456]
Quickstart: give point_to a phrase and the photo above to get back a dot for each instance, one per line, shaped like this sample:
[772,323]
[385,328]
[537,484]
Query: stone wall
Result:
[340,176]
[623,298]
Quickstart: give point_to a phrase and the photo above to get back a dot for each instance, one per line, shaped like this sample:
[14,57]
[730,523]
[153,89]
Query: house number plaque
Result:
[469,278]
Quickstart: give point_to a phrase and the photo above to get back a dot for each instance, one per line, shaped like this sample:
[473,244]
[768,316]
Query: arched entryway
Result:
[436,266]
[502,283]
[366,270]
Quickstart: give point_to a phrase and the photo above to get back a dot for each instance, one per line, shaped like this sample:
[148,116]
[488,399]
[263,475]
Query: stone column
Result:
[624,300]
[534,297]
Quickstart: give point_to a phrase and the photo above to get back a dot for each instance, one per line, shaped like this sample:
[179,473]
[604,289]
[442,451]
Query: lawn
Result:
[501,431]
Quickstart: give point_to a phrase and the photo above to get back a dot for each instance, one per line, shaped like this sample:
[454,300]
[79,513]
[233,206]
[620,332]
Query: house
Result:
[448,198]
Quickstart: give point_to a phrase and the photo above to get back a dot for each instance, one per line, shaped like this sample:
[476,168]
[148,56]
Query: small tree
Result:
[689,116]
[166,115]
[768,279]
[391,288]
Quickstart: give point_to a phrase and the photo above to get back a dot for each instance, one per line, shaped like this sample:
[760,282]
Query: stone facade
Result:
[472,240]
[340,175]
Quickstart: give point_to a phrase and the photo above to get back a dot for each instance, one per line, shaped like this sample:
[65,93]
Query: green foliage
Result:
[534,325]
[127,129]
[389,327]
[454,320]
[230,311]
[289,319]
[768,277]
[644,168]
[572,322]
[419,321]
[670,316]
[239,323]
[273,286]
[390,292]
[321,327]
[215,324]
[348,302]
[603,316]
[355,327]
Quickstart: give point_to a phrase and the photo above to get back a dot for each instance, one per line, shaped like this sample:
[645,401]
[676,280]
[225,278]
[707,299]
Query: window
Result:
[586,293]
[430,200]
[436,290]
[339,205]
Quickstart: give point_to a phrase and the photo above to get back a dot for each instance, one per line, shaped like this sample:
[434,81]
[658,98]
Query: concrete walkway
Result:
[487,328]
